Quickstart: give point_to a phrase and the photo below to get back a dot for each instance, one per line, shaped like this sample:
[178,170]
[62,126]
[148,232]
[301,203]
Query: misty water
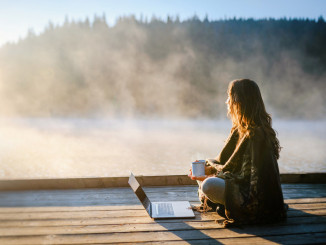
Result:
[60,148]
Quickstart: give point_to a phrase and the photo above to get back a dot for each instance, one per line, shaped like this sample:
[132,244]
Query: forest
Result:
[168,68]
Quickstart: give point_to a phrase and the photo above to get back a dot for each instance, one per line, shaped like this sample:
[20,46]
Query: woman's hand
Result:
[209,170]
[200,178]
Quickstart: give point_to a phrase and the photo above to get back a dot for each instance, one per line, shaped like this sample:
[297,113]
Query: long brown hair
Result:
[247,111]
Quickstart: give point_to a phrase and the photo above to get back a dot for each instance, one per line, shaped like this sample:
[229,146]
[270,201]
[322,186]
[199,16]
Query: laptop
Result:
[161,210]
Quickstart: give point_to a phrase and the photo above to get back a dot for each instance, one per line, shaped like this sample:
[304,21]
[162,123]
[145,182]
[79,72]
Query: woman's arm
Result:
[213,166]
[225,153]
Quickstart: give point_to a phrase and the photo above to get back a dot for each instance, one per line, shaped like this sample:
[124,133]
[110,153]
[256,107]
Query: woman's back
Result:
[253,192]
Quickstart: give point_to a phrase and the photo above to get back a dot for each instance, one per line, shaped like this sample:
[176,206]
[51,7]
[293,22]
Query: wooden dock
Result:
[114,215]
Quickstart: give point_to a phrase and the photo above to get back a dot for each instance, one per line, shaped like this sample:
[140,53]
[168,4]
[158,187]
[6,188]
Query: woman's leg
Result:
[213,188]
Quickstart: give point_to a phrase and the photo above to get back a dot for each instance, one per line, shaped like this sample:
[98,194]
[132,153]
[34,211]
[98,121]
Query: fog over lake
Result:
[59,148]
[66,93]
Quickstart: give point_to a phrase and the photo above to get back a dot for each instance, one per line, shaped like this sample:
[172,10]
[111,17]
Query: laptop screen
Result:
[135,186]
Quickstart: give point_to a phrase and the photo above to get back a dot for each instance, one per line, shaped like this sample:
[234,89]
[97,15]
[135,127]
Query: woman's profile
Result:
[243,181]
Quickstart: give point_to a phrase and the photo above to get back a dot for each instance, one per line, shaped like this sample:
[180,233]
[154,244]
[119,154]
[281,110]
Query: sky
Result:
[19,16]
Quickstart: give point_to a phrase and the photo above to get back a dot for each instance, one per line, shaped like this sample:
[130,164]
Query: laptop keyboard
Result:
[165,209]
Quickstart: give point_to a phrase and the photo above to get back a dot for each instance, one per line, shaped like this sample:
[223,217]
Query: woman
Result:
[244,179]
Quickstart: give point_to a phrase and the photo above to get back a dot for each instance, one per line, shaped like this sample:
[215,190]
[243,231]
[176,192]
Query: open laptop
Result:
[161,210]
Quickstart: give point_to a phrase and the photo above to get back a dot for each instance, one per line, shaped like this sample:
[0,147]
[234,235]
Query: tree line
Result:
[164,68]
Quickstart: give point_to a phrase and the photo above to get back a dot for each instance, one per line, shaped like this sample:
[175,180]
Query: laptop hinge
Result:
[150,209]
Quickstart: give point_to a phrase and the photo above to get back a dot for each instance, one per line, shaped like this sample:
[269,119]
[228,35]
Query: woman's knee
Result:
[213,188]
[208,185]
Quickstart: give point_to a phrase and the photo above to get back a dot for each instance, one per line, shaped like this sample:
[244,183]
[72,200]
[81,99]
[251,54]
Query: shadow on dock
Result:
[301,227]
[189,234]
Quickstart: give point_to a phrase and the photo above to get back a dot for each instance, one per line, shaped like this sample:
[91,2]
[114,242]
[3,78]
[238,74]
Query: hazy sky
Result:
[17,16]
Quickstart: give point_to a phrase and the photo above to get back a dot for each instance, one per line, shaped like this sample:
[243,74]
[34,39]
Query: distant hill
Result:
[164,68]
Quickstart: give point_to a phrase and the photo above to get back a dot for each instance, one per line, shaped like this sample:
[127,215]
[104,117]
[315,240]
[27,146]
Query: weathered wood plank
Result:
[101,221]
[117,207]
[303,206]
[97,229]
[106,182]
[305,200]
[72,215]
[287,188]
[112,212]
[131,200]
[163,189]
[180,188]
[69,209]
[135,220]
[148,225]
[138,220]
[178,235]
[121,196]
[17,197]
[297,239]
[303,186]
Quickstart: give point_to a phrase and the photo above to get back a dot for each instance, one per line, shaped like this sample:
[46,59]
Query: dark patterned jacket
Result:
[253,191]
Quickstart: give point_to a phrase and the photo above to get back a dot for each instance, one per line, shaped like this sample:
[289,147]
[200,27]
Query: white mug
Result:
[198,168]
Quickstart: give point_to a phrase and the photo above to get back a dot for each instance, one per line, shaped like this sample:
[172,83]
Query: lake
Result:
[59,148]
